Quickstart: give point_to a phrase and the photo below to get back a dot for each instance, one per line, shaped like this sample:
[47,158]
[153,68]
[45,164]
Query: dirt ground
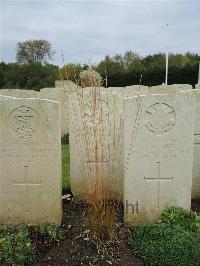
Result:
[75,248]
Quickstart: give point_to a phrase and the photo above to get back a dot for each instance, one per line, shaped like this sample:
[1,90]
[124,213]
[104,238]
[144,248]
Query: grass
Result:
[65,167]
[174,240]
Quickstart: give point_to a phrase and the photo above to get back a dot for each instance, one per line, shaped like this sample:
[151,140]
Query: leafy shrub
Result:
[187,219]
[16,247]
[165,244]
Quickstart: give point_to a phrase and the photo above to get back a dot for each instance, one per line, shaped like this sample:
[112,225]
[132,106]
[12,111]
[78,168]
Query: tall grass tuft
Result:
[90,78]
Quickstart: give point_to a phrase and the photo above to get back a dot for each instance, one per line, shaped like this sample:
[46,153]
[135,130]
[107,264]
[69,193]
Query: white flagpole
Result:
[167,60]
[199,75]
[106,78]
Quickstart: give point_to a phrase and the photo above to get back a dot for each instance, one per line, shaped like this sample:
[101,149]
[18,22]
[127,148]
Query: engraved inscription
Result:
[23,122]
[97,111]
[160,118]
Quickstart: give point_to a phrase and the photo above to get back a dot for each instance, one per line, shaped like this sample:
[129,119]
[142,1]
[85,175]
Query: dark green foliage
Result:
[16,246]
[65,139]
[122,70]
[187,219]
[34,76]
[174,240]
[164,244]
[126,70]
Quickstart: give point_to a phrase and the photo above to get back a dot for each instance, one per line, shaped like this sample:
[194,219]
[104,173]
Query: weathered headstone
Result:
[19,93]
[95,142]
[169,89]
[30,161]
[68,85]
[134,90]
[197,86]
[196,148]
[60,95]
[158,136]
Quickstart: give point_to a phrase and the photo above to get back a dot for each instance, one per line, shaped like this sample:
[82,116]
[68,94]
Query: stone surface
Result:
[30,161]
[68,85]
[61,95]
[158,137]
[95,147]
[196,148]
[19,93]
[169,89]
[197,86]
[133,90]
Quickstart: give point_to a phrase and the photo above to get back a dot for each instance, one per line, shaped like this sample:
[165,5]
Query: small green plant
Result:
[16,247]
[166,244]
[49,230]
[187,219]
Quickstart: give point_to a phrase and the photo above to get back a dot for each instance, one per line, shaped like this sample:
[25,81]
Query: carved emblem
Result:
[23,122]
[160,118]
[97,111]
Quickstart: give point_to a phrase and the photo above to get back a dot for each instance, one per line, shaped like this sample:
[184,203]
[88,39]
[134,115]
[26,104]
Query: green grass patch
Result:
[65,166]
[174,240]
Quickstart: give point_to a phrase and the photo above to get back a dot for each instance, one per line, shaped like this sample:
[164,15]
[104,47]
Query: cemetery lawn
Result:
[65,166]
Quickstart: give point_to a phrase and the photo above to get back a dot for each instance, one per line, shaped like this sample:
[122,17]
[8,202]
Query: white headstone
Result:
[19,93]
[197,86]
[158,136]
[134,90]
[60,95]
[196,155]
[95,147]
[169,89]
[68,85]
[30,161]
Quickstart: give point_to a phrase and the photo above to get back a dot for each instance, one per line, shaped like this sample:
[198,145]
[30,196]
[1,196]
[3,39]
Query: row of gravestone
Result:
[143,144]
[63,89]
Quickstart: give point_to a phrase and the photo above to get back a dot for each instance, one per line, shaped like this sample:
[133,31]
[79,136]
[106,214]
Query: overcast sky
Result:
[89,30]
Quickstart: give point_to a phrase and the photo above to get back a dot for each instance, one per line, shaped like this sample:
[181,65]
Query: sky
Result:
[86,31]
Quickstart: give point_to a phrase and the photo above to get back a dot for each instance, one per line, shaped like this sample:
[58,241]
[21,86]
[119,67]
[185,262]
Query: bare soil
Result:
[76,248]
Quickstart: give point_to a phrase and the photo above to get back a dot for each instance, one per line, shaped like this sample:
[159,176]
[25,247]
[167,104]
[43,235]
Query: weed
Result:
[49,230]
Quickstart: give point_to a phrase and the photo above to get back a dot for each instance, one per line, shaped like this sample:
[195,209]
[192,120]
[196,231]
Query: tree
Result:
[33,51]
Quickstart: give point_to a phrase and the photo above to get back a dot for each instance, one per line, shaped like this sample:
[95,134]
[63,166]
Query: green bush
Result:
[187,219]
[164,244]
[16,247]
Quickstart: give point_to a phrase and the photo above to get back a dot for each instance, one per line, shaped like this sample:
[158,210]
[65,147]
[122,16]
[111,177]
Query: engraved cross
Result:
[26,183]
[158,179]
